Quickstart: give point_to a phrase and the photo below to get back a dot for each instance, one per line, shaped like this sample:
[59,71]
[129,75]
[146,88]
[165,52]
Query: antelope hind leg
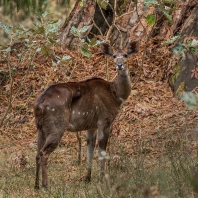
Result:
[91,141]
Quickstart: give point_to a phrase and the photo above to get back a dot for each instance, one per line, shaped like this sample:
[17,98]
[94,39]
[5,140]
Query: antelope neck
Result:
[122,85]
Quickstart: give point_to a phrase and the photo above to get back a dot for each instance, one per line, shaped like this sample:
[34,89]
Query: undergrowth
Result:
[169,174]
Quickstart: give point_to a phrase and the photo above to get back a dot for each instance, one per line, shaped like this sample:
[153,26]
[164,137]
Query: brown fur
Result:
[90,105]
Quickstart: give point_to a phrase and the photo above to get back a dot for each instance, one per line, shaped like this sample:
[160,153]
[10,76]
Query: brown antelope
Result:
[91,105]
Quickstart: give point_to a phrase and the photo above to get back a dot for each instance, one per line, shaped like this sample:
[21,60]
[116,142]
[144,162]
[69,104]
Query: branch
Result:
[11,91]
[145,46]
[11,100]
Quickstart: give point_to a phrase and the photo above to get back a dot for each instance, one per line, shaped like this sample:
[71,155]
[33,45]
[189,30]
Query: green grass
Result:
[144,174]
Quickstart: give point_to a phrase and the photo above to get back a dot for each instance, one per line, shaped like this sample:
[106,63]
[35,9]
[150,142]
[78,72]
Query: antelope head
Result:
[120,56]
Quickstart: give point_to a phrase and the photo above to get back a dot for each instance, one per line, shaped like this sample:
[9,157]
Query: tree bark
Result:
[181,78]
[79,17]
[125,21]
[126,25]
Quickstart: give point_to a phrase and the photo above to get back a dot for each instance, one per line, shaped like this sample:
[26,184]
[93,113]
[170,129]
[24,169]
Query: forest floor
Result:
[153,145]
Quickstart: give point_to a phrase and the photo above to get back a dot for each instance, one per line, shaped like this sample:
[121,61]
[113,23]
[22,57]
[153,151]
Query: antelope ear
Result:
[106,49]
[133,47]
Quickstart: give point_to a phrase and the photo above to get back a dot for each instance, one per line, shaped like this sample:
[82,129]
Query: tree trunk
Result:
[128,23]
[182,79]
[126,27]
[79,17]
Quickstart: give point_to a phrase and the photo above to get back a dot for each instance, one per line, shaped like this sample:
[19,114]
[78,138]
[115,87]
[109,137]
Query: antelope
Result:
[90,105]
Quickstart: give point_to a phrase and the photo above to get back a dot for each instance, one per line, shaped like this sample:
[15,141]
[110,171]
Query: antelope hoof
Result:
[36,187]
[44,187]
[87,179]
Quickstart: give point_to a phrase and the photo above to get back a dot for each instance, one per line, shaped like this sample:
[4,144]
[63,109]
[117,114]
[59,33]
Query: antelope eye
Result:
[114,56]
[125,55]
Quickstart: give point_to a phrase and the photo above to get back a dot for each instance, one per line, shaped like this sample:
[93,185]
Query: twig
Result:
[136,9]
[11,100]
[100,191]
[107,37]
[103,15]
[97,27]
[145,46]
[22,83]
[114,20]
[11,92]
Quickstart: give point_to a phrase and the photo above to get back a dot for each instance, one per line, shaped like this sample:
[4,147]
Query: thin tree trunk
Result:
[79,17]
[182,78]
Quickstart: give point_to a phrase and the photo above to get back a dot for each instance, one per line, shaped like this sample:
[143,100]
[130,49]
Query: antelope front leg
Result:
[50,145]
[103,136]
[91,141]
[38,163]
[41,142]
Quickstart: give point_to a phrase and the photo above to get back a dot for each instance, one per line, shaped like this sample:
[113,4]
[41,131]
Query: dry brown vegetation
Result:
[153,146]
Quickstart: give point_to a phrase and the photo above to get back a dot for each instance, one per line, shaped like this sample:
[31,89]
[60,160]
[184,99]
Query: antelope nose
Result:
[119,66]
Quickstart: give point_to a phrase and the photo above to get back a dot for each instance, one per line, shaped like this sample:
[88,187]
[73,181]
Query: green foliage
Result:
[160,7]
[172,40]
[171,2]
[84,46]
[84,50]
[191,100]
[6,29]
[178,49]
[147,2]
[150,19]
[103,4]
[39,39]
[166,13]
[78,32]
[25,5]
[190,46]
[82,3]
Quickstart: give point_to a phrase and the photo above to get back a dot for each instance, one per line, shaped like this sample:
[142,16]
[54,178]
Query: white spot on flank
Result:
[66,99]
[58,96]
[87,113]
[73,112]
[96,107]
[48,108]
[79,113]
[53,109]
[83,113]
